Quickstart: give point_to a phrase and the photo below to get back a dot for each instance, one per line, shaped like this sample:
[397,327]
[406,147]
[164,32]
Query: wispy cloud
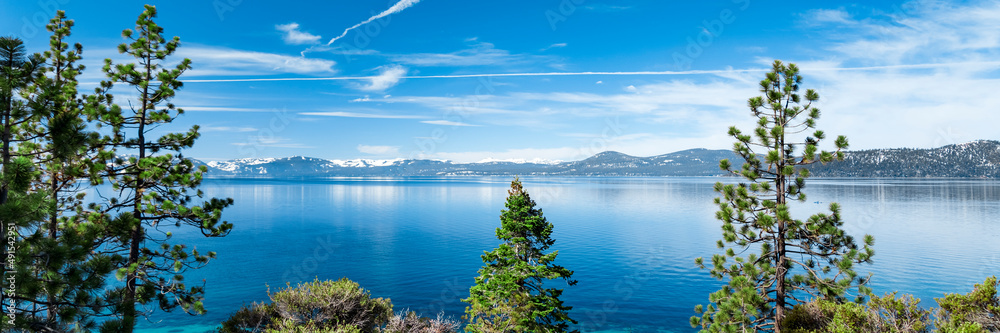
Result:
[292,34]
[398,7]
[556,45]
[272,142]
[379,150]
[360,115]
[446,123]
[206,129]
[823,16]
[916,96]
[606,8]
[479,54]
[939,30]
[388,77]
[223,109]
[216,61]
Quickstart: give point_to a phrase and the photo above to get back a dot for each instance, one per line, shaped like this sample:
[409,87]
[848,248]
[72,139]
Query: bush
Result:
[319,306]
[340,306]
[977,311]
[881,314]
[409,322]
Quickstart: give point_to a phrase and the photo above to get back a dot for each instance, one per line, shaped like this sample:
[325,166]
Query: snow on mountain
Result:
[977,159]
[519,161]
[364,163]
[233,165]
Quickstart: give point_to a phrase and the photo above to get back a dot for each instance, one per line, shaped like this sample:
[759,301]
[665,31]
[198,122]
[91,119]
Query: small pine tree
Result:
[160,189]
[795,257]
[509,295]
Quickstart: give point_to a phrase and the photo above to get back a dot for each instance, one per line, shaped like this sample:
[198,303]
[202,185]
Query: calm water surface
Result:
[630,241]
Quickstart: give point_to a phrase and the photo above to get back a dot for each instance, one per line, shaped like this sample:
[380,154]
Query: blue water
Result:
[630,241]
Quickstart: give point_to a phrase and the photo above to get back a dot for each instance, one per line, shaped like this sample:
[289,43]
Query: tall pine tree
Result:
[509,294]
[796,259]
[60,273]
[161,189]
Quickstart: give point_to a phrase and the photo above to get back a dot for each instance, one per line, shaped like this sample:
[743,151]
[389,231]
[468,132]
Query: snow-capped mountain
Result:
[978,159]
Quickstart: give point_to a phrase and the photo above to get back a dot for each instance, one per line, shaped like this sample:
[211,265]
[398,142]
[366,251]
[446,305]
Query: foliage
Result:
[319,306]
[814,256]
[509,294]
[60,273]
[976,311]
[159,190]
[881,314]
[410,322]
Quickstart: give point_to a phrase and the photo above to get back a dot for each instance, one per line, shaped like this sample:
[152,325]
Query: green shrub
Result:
[882,314]
[977,311]
[320,306]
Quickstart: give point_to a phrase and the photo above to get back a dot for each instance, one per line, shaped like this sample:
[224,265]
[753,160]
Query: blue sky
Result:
[471,80]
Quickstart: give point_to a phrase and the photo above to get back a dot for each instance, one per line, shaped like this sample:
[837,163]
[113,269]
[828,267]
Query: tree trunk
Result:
[779,249]
[133,253]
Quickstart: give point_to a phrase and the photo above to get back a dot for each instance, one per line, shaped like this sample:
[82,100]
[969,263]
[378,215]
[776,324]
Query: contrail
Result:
[690,72]
[398,7]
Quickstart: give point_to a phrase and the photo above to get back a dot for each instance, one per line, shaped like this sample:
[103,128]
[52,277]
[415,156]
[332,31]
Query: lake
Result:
[631,241]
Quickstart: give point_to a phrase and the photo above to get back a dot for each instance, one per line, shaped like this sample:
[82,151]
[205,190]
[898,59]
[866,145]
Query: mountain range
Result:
[977,159]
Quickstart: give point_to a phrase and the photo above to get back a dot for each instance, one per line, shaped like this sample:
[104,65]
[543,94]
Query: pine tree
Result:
[796,258]
[16,71]
[509,295]
[161,188]
[60,272]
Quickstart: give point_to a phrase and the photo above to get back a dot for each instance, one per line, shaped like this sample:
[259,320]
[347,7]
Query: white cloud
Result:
[271,142]
[216,61]
[553,46]
[819,16]
[937,30]
[398,7]
[446,123]
[223,109]
[637,144]
[294,36]
[606,8]
[360,115]
[940,62]
[379,150]
[388,77]
[480,54]
[599,82]
[206,129]
[361,99]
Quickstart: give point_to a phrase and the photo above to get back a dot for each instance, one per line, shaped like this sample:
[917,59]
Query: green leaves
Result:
[756,212]
[509,294]
[160,186]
